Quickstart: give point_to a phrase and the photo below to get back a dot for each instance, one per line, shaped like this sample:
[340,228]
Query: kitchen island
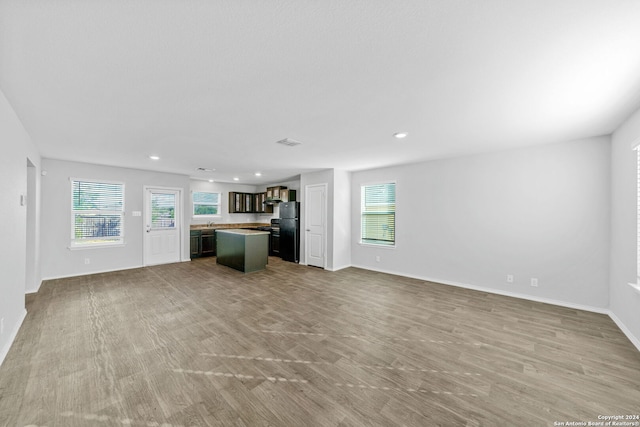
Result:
[243,250]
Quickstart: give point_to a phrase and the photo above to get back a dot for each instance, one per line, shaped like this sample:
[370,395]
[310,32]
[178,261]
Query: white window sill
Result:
[635,286]
[377,245]
[206,216]
[96,246]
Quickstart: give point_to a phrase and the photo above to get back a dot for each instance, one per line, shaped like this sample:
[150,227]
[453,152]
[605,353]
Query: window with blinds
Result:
[163,210]
[378,214]
[97,213]
[205,203]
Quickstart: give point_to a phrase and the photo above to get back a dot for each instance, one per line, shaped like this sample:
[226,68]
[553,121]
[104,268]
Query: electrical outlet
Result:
[509,278]
[87,261]
[377,258]
[534,282]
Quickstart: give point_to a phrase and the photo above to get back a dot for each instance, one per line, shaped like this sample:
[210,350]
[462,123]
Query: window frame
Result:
[76,244]
[204,216]
[373,242]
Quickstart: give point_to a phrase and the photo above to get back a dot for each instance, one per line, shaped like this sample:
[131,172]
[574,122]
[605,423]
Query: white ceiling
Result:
[214,84]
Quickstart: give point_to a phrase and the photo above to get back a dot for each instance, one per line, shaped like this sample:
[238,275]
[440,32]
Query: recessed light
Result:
[210,180]
[154,157]
[235,178]
[258,174]
[400,135]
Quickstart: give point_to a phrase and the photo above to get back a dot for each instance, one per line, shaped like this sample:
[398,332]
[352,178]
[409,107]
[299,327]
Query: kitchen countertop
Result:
[244,232]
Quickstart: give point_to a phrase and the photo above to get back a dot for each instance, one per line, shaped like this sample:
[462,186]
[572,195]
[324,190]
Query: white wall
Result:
[341,219]
[33,277]
[538,212]
[16,149]
[624,301]
[57,259]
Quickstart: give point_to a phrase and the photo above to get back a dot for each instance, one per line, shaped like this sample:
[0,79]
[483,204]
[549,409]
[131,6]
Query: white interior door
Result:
[162,226]
[315,224]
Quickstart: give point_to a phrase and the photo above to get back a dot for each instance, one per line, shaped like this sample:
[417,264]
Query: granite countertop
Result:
[243,232]
[229,226]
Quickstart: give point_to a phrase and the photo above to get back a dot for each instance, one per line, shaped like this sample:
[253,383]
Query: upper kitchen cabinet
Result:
[275,193]
[240,202]
[287,195]
[248,203]
[259,203]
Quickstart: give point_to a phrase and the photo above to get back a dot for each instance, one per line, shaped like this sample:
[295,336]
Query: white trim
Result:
[395,212]
[4,351]
[88,273]
[635,286]
[29,292]
[97,246]
[376,245]
[206,216]
[635,144]
[325,243]
[179,220]
[634,340]
[96,180]
[122,213]
[342,267]
[601,310]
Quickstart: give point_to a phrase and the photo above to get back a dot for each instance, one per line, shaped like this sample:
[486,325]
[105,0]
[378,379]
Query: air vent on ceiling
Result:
[205,169]
[289,142]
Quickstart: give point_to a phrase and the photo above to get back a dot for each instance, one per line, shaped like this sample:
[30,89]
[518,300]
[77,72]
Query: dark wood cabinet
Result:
[275,193]
[256,202]
[249,203]
[203,243]
[274,243]
[208,243]
[287,195]
[236,202]
[195,244]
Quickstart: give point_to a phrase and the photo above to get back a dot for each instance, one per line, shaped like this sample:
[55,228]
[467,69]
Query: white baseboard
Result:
[601,310]
[634,340]
[88,273]
[5,350]
[34,291]
[342,267]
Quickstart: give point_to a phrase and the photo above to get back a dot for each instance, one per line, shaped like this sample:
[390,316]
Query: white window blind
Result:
[205,203]
[97,213]
[163,210]
[378,211]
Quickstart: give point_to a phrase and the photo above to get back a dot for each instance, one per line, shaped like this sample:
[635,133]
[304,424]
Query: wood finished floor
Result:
[197,344]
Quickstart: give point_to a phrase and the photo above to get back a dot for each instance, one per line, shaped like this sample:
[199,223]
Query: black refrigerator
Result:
[290,231]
